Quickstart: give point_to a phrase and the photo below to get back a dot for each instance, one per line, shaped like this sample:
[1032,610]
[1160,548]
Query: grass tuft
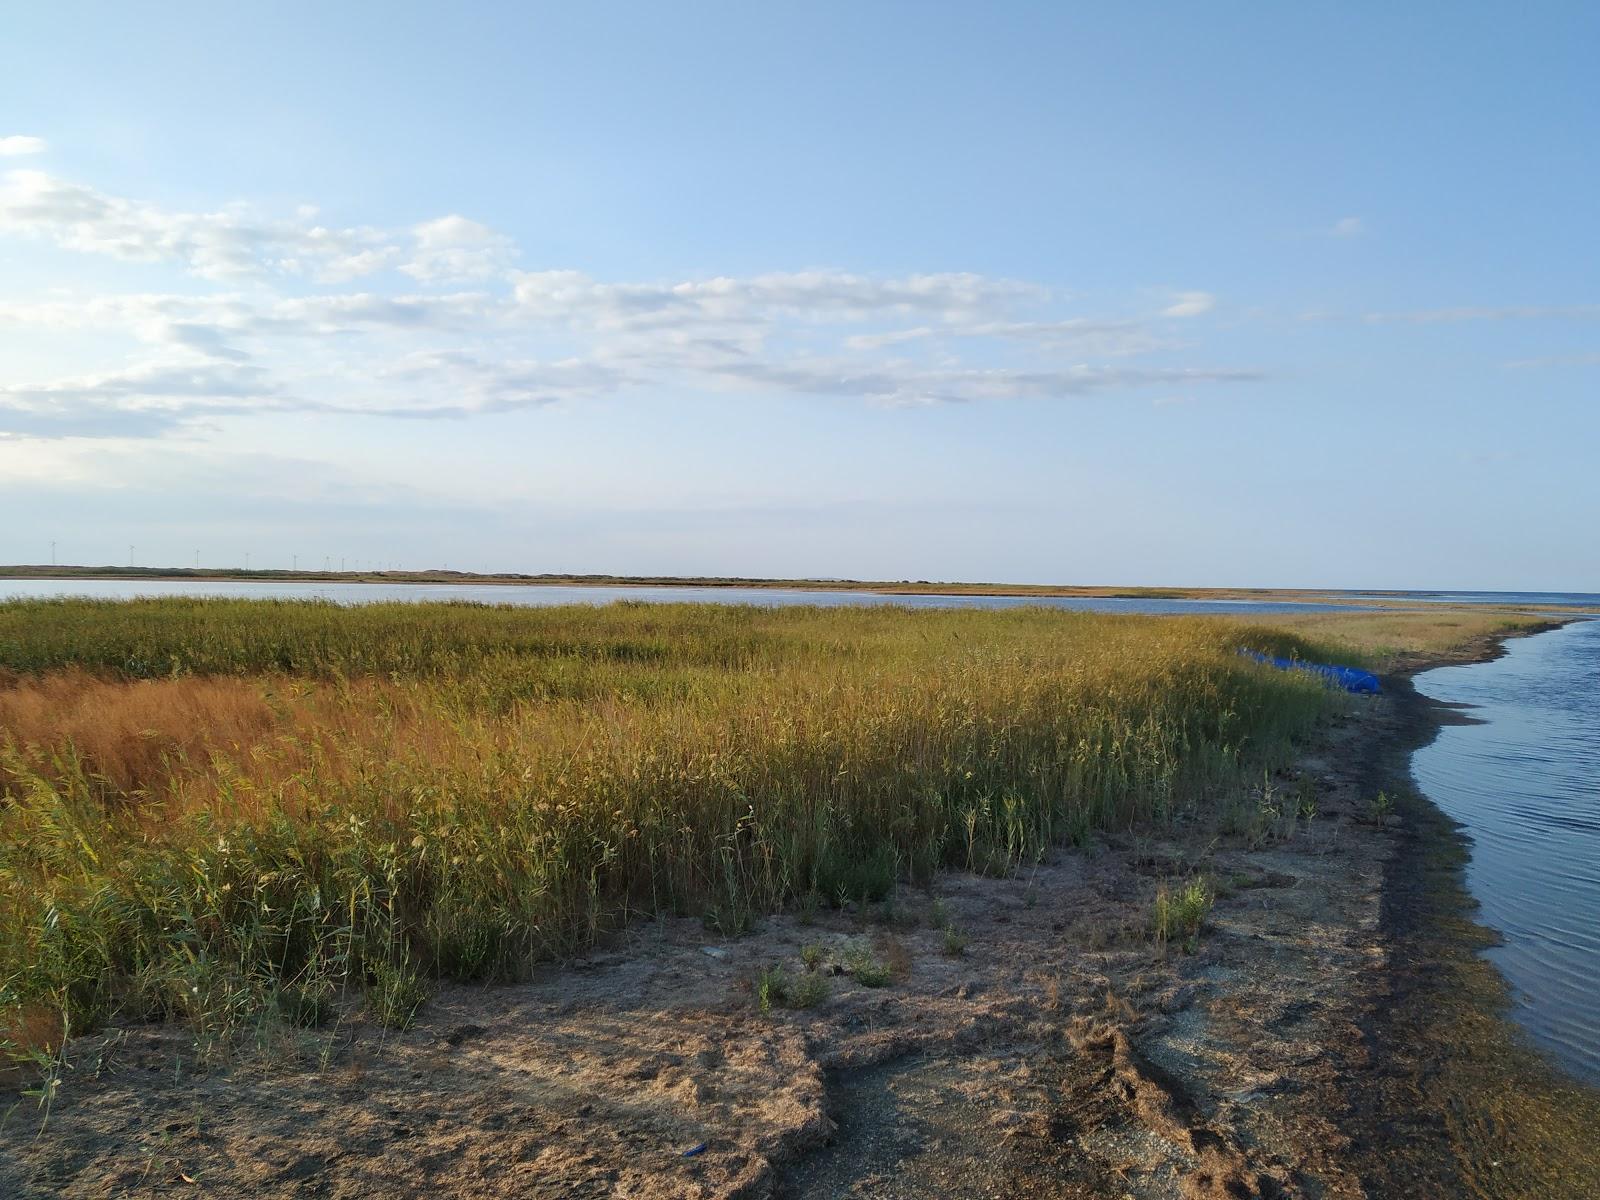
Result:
[1179,914]
[866,968]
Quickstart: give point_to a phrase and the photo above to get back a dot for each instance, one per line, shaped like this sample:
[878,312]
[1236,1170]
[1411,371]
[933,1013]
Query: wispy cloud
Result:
[16,145]
[229,244]
[1347,227]
[1522,312]
[259,332]
[1556,360]
[139,401]
[904,385]
[1190,304]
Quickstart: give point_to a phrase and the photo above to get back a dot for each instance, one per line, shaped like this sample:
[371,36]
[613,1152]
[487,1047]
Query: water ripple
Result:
[1525,784]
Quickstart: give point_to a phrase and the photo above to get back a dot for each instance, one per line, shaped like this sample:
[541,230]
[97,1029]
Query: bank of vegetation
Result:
[212,810]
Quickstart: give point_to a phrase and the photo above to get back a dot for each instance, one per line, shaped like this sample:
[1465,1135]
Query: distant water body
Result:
[1512,599]
[1526,785]
[545,595]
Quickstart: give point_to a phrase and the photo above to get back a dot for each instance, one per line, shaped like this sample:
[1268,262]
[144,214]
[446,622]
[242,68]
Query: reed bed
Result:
[214,810]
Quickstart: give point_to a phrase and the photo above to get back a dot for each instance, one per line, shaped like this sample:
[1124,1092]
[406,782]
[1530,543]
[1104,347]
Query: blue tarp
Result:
[1351,679]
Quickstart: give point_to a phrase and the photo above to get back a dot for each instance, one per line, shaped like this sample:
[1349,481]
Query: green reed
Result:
[463,791]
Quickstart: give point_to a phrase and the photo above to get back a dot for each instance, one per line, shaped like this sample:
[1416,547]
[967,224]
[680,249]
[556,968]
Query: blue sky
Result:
[1161,294]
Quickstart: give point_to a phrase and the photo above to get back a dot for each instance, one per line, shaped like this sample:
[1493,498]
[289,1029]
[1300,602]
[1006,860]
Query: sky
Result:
[1229,294]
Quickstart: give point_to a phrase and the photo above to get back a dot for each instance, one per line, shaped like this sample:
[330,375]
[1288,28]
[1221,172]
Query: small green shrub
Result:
[772,988]
[775,988]
[1306,805]
[1178,916]
[395,993]
[810,990]
[866,968]
[955,942]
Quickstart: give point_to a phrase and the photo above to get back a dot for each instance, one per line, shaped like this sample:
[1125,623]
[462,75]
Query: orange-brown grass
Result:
[132,734]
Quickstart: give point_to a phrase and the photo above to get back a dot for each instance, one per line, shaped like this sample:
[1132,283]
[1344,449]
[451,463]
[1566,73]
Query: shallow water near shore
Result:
[1523,778]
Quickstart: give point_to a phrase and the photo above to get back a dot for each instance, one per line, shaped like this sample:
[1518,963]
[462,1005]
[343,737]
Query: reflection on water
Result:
[545,595]
[1526,784]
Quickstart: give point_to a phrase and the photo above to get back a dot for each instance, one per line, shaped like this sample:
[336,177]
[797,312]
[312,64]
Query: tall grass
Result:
[217,808]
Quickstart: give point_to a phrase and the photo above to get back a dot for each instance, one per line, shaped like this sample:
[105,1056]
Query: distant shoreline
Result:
[904,587]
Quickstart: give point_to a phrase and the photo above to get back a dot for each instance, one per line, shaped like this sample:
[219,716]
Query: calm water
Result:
[1526,784]
[1540,599]
[544,596]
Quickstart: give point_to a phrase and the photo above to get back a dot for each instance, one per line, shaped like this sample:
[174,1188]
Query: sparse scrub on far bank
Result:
[212,809]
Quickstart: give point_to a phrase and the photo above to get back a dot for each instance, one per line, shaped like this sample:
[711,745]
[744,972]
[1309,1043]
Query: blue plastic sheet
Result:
[1351,679]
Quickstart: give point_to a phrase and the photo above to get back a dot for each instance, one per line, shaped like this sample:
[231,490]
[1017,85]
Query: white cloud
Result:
[143,400]
[805,295]
[1078,334]
[229,244]
[1347,227]
[480,386]
[451,249]
[906,384]
[1190,304]
[17,145]
[270,341]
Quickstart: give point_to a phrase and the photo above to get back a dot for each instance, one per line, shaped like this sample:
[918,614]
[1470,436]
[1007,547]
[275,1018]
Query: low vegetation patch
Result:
[866,968]
[1179,913]
[777,988]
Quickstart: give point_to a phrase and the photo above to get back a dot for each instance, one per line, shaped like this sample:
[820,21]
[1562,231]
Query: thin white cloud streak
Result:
[1347,227]
[900,385]
[805,295]
[1572,312]
[1555,360]
[1190,304]
[1114,339]
[16,145]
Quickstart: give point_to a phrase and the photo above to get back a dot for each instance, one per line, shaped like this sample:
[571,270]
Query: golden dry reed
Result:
[217,810]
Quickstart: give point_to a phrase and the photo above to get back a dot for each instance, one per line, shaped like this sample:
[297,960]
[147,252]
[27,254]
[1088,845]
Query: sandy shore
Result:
[1333,1033]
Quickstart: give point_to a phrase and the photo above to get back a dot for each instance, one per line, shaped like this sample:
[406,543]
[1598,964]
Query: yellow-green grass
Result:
[1386,638]
[216,809]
